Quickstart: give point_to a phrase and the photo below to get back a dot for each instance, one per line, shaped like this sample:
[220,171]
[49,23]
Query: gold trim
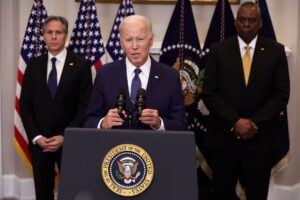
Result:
[165,1]
[118,189]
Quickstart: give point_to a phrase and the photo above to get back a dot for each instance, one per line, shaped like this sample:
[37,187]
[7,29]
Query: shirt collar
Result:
[242,44]
[61,56]
[145,67]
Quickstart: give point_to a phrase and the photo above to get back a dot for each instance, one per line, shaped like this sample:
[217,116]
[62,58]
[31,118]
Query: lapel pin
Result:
[262,49]
[156,77]
[71,64]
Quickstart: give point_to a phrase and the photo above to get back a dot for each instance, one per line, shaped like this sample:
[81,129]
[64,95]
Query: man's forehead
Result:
[55,23]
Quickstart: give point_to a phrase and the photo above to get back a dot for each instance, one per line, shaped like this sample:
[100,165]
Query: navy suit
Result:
[163,93]
[43,115]
[228,98]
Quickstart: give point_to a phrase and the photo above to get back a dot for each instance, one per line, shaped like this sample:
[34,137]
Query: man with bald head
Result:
[164,109]
[246,86]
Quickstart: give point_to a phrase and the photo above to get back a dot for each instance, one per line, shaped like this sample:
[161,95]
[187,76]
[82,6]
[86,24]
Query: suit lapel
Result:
[43,65]
[67,71]
[236,60]
[257,59]
[153,81]
[122,82]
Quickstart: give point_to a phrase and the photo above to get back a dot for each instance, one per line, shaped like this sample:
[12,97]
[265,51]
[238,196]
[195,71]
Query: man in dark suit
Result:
[55,93]
[164,101]
[245,93]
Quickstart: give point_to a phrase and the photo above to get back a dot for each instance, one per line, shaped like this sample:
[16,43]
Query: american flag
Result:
[86,38]
[33,45]
[113,47]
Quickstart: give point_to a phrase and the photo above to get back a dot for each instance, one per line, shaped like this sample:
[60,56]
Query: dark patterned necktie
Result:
[52,80]
[135,84]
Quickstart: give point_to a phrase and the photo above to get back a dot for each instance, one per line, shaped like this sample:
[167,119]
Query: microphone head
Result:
[140,103]
[121,102]
[122,92]
[141,93]
[121,96]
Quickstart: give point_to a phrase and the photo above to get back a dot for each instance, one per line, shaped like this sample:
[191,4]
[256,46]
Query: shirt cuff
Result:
[162,126]
[99,124]
[36,138]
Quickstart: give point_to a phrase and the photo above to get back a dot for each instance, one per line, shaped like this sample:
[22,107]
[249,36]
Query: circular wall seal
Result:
[127,170]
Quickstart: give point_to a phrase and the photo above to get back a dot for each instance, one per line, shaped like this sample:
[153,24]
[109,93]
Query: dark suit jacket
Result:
[42,115]
[228,98]
[163,93]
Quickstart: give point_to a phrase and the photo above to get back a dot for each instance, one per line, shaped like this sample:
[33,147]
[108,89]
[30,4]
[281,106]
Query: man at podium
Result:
[136,92]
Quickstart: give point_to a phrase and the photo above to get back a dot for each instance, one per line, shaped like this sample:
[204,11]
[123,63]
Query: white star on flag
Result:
[113,47]
[86,38]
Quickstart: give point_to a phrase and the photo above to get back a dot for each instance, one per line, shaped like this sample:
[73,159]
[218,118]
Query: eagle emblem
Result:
[127,170]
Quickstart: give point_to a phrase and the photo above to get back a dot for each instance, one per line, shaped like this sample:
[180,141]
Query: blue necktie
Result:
[52,80]
[135,84]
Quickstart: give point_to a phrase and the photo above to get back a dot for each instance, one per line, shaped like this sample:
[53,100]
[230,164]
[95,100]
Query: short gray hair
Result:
[63,20]
[250,4]
[136,18]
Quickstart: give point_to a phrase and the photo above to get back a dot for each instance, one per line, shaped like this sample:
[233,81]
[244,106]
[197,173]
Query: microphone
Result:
[121,102]
[140,102]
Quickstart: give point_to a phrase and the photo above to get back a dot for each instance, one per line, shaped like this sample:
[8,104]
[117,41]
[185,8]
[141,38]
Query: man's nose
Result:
[134,44]
[53,35]
[246,22]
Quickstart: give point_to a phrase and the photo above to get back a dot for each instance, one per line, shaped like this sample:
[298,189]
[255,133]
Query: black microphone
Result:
[121,102]
[140,102]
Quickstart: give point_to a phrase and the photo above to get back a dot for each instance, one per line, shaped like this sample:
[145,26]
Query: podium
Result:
[86,152]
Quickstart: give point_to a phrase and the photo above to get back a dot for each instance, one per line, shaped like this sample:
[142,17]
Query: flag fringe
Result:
[282,164]
[22,155]
[202,163]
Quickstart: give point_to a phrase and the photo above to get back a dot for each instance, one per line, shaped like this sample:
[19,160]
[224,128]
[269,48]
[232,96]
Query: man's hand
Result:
[150,117]
[111,119]
[51,144]
[245,128]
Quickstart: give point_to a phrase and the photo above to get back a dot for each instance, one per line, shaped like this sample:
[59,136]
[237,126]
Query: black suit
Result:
[228,99]
[42,115]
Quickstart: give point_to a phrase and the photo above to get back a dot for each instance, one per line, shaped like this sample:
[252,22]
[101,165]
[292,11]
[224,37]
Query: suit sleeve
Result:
[26,105]
[280,94]
[95,109]
[84,92]
[176,119]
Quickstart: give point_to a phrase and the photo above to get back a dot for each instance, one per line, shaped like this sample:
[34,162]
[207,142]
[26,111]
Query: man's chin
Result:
[135,61]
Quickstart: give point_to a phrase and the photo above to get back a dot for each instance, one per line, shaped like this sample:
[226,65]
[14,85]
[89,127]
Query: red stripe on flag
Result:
[17,105]
[98,64]
[20,77]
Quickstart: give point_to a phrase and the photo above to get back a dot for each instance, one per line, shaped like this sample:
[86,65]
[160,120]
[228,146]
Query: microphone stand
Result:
[129,119]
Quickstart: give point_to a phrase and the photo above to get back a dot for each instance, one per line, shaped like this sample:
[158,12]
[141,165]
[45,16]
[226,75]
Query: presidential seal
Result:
[127,170]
